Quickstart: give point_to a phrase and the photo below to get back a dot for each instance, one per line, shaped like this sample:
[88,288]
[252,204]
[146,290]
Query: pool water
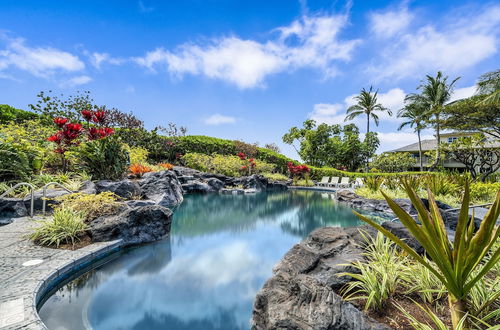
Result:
[221,250]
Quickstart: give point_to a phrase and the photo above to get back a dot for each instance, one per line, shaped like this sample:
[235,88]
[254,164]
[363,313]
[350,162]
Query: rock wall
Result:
[301,292]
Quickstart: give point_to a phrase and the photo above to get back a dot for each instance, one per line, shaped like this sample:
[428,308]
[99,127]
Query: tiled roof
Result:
[431,145]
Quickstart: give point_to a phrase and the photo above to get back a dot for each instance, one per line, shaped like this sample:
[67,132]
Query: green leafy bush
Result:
[92,205]
[482,191]
[138,155]
[14,163]
[379,277]
[222,164]
[9,114]
[393,162]
[105,159]
[66,226]
[275,176]
[373,182]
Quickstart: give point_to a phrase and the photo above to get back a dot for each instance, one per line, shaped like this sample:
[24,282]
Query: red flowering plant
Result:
[298,171]
[70,134]
[248,163]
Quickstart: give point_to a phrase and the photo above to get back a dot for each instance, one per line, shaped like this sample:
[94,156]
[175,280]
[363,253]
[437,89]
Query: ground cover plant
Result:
[462,265]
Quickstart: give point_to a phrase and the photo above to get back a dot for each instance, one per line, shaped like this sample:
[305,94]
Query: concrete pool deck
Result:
[29,271]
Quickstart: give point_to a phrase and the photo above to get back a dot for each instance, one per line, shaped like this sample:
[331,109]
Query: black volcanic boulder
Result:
[124,188]
[300,294]
[12,208]
[134,226]
[162,187]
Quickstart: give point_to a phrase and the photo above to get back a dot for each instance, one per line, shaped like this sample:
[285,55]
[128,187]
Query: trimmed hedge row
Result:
[209,145]
[317,173]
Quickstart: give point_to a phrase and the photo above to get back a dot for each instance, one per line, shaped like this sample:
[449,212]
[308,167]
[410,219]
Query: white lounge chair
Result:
[344,183]
[333,182]
[324,181]
[358,183]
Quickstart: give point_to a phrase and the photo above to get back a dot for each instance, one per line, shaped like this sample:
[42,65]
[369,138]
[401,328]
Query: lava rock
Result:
[138,203]
[124,188]
[195,186]
[12,208]
[50,195]
[88,187]
[162,187]
[215,184]
[398,229]
[301,295]
[134,226]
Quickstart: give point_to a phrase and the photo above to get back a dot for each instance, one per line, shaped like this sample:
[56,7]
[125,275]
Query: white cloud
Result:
[335,113]
[330,114]
[389,23]
[96,59]
[77,81]
[308,42]
[462,93]
[452,45]
[218,119]
[39,61]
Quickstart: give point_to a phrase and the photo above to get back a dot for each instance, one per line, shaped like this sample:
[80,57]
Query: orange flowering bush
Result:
[138,170]
[166,166]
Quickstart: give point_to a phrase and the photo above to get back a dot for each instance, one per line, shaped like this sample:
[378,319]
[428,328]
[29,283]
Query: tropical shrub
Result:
[298,172]
[29,138]
[222,164]
[440,184]
[92,205]
[104,159]
[457,265]
[66,226]
[138,170]
[138,155]
[275,176]
[9,114]
[373,182]
[393,162]
[166,166]
[481,191]
[14,163]
[379,276]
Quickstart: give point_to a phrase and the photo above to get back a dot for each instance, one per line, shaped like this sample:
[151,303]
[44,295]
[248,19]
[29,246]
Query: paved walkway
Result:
[28,271]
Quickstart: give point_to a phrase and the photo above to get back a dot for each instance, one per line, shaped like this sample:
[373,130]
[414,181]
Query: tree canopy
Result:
[332,145]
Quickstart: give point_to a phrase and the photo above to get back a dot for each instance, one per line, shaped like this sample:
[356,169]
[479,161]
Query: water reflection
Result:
[205,276]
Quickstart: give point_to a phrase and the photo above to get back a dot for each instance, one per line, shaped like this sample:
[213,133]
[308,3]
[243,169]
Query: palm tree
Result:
[415,114]
[435,93]
[366,104]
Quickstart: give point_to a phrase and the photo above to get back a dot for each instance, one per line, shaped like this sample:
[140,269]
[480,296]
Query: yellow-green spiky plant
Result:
[455,263]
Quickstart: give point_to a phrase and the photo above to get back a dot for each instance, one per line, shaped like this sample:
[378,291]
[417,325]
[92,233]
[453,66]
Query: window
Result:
[452,139]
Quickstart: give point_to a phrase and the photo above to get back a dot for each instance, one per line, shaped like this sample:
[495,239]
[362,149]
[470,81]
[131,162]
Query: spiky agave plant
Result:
[458,264]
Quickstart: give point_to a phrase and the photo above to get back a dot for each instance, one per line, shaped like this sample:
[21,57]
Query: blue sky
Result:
[245,70]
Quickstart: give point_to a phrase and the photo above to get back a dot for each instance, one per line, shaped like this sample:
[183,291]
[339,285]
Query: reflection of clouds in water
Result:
[192,286]
[222,250]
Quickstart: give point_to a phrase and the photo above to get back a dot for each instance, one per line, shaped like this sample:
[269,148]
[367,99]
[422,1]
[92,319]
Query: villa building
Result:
[430,144]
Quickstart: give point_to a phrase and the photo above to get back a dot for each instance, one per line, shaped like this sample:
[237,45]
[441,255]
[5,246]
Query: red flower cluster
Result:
[298,169]
[67,136]
[97,117]
[99,133]
[70,132]
[251,162]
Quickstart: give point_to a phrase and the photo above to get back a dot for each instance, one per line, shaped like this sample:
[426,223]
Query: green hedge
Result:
[210,145]
[317,173]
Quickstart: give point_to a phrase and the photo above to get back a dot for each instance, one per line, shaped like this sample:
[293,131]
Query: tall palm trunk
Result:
[420,151]
[367,131]
[437,161]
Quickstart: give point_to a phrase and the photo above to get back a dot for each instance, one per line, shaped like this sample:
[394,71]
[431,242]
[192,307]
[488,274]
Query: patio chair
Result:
[324,181]
[333,182]
[358,183]
[344,182]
